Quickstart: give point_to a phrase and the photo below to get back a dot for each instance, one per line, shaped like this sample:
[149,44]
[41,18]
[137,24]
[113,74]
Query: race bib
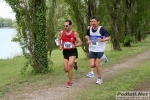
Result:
[94,40]
[67,45]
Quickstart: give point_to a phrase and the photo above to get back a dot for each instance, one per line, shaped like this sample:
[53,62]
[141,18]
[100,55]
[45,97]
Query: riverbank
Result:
[6,27]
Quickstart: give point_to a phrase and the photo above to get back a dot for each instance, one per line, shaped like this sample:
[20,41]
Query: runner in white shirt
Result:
[96,37]
[91,73]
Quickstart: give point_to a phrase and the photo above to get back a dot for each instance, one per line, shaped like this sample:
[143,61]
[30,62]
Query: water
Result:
[8,49]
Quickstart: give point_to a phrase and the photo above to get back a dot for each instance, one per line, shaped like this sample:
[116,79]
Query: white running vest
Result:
[96,46]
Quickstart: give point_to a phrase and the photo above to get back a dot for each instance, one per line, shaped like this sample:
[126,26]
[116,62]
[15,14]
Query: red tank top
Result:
[68,40]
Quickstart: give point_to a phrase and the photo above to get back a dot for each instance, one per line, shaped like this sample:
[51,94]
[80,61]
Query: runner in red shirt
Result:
[70,40]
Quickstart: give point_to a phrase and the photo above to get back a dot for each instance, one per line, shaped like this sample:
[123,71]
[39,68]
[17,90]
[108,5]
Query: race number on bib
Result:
[94,40]
[67,45]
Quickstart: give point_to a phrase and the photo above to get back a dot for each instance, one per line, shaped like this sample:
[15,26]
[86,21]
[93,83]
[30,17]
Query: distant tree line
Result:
[7,22]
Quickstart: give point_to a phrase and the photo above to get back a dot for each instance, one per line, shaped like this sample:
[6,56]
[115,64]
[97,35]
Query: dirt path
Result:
[62,93]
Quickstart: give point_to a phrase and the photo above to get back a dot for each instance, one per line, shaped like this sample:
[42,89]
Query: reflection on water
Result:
[8,49]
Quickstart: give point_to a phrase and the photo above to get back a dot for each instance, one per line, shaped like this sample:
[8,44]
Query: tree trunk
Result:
[91,8]
[40,52]
[116,44]
[139,36]
[91,12]
[127,26]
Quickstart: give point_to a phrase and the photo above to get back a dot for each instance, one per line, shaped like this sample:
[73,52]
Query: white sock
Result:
[92,72]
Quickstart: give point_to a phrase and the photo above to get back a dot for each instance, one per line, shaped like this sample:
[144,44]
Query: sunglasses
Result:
[66,25]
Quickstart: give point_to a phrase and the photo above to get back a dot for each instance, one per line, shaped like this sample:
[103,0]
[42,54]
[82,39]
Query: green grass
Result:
[126,52]
[11,79]
[123,82]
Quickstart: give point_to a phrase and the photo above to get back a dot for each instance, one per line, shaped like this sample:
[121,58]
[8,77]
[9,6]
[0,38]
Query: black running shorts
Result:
[70,52]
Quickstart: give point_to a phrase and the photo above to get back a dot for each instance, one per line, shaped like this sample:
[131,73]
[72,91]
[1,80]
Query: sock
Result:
[92,72]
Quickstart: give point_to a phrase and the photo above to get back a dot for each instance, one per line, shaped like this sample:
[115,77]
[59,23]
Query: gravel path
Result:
[62,93]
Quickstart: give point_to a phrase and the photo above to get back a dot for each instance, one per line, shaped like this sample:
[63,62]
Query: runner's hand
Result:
[60,48]
[100,40]
[88,42]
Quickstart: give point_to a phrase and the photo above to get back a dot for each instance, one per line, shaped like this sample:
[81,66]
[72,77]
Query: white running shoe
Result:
[105,58]
[90,74]
[99,81]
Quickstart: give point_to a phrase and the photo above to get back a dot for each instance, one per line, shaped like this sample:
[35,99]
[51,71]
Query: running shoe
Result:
[75,66]
[90,74]
[99,81]
[105,58]
[69,84]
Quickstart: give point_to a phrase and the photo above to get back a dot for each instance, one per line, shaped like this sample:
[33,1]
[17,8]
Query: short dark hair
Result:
[69,21]
[95,17]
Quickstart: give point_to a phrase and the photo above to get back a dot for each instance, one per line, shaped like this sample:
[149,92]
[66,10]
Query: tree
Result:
[40,52]
[6,22]
[38,24]
[127,39]
[1,22]
[53,24]
[31,27]
[81,11]
[113,8]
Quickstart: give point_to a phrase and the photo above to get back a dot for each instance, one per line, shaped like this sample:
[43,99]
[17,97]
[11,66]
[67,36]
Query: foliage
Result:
[80,11]
[127,40]
[54,23]
[126,20]
[6,22]
[31,26]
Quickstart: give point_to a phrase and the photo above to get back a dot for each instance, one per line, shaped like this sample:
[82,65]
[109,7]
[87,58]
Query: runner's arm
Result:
[88,36]
[79,42]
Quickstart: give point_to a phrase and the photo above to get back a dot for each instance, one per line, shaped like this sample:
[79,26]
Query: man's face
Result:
[67,26]
[94,22]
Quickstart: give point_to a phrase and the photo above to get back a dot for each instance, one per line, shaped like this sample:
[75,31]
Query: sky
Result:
[6,11]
